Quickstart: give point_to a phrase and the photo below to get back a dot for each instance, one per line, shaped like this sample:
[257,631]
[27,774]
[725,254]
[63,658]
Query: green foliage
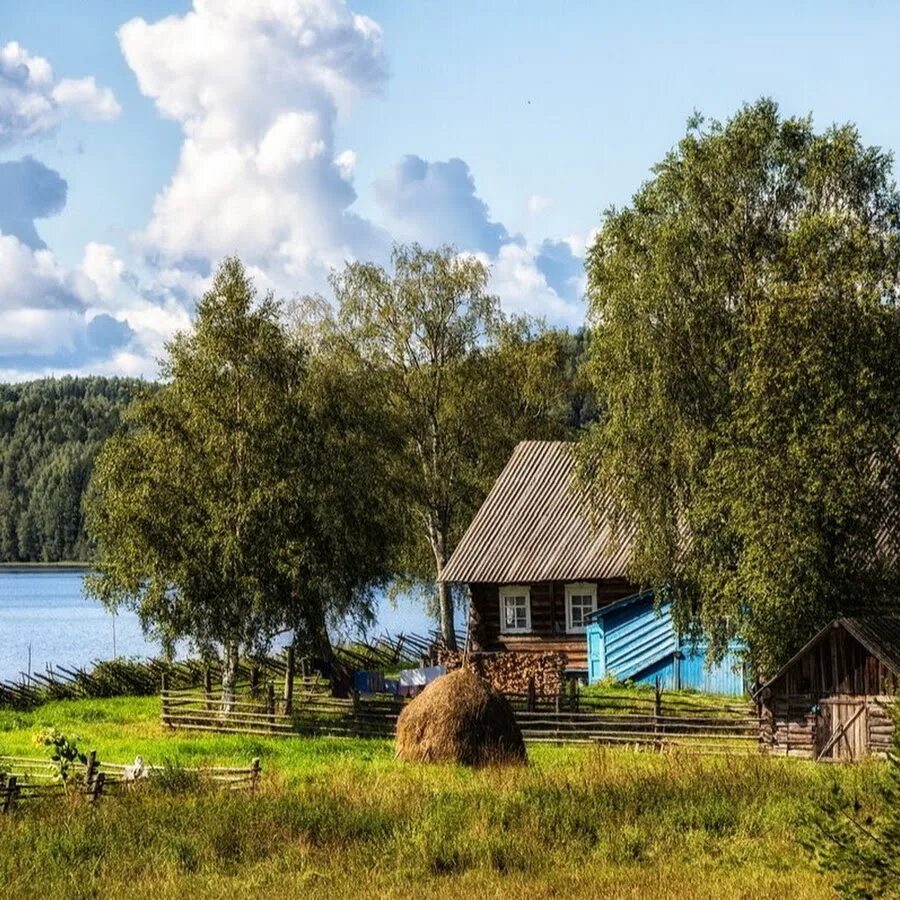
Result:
[50,433]
[857,837]
[236,502]
[64,752]
[745,350]
[173,778]
[451,380]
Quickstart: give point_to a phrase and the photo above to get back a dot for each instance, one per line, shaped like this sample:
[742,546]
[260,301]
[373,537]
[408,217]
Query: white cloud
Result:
[33,102]
[346,163]
[256,87]
[44,319]
[103,269]
[523,288]
[81,97]
[436,203]
[538,203]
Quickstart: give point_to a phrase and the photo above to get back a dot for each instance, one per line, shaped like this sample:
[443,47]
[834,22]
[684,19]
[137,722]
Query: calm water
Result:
[46,610]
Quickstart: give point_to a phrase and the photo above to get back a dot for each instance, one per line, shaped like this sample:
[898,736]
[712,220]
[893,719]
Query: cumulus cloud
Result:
[34,102]
[44,320]
[562,268]
[523,288]
[28,191]
[436,203]
[256,88]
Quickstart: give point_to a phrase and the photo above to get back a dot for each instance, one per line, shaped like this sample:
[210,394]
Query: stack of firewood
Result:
[510,672]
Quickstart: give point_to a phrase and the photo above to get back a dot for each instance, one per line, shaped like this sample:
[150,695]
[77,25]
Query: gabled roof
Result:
[880,635]
[534,526]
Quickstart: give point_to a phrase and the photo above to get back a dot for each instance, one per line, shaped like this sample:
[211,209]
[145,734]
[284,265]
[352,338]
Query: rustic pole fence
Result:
[657,713]
[289,681]
[164,697]
[9,793]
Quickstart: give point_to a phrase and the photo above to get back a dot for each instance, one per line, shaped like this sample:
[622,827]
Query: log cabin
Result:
[534,565]
[833,700]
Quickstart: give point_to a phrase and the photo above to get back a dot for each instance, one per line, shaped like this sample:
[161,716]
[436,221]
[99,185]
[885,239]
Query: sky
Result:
[143,140]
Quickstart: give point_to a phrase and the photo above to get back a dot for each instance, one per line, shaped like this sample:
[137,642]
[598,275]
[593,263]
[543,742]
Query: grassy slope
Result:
[343,817]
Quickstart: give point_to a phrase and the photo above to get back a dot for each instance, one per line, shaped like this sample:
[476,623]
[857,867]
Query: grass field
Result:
[343,817]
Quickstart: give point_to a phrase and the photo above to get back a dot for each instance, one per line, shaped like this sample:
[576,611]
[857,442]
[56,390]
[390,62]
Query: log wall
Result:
[802,726]
[548,620]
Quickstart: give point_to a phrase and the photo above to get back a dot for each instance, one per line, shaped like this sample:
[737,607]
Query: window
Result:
[581,599]
[515,609]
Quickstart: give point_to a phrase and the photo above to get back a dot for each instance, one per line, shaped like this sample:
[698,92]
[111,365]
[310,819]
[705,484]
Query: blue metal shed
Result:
[632,640]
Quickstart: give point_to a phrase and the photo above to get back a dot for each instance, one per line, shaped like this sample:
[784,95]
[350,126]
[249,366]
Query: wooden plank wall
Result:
[548,619]
[838,664]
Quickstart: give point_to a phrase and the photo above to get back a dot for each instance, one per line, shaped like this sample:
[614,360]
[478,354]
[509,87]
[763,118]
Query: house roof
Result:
[534,525]
[880,635]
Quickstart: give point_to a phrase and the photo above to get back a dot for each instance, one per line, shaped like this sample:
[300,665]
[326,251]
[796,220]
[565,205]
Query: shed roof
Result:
[879,634]
[534,526]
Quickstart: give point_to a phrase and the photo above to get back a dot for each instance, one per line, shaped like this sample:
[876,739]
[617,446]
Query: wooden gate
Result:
[842,728]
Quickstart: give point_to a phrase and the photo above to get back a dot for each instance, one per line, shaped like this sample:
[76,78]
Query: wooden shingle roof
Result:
[534,526]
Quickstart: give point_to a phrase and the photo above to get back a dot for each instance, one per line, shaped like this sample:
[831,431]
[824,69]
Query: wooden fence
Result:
[656,720]
[115,677]
[27,778]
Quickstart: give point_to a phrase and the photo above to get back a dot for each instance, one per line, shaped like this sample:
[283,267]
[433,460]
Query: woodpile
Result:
[509,672]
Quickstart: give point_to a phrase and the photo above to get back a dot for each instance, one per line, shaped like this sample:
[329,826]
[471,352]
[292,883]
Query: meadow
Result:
[342,816]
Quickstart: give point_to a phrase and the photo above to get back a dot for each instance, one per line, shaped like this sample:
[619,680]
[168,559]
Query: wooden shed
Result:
[534,565]
[636,640]
[833,700]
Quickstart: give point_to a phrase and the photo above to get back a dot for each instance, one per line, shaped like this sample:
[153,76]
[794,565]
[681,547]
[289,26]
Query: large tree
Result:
[235,502]
[458,382]
[745,354]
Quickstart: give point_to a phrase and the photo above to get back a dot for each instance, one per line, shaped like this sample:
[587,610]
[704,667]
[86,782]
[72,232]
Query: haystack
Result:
[459,718]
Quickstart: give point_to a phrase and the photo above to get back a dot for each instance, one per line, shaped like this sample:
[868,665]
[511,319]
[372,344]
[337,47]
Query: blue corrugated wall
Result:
[632,641]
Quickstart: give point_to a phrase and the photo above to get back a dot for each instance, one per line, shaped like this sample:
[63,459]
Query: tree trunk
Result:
[229,673]
[445,609]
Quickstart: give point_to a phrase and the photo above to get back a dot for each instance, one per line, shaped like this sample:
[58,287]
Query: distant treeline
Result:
[52,429]
[50,432]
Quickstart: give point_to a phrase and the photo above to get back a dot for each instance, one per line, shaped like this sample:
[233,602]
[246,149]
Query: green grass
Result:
[344,818]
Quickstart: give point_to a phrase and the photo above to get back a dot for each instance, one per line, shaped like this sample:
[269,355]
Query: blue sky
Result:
[299,133]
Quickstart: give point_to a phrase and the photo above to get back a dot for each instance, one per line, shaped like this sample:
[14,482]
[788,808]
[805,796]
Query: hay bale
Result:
[459,718]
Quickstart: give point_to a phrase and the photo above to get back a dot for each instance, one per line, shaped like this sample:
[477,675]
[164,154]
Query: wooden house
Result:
[534,565]
[636,640]
[833,700]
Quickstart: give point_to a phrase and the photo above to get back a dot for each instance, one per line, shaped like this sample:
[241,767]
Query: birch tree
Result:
[461,382]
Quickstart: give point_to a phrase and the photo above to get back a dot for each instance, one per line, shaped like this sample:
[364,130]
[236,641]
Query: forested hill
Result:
[50,432]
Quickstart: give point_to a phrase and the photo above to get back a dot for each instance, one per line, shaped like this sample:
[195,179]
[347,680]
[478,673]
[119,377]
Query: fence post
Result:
[531,701]
[164,697]
[9,795]
[89,768]
[254,774]
[97,788]
[207,686]
[657,711]
[254,680]
[573,695]
[289,681]
[270,704]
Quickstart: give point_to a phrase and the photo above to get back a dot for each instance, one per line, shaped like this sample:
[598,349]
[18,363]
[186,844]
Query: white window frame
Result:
[580,589]
[514,590]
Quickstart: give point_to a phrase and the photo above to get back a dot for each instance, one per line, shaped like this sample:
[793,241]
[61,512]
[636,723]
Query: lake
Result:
[45,617]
